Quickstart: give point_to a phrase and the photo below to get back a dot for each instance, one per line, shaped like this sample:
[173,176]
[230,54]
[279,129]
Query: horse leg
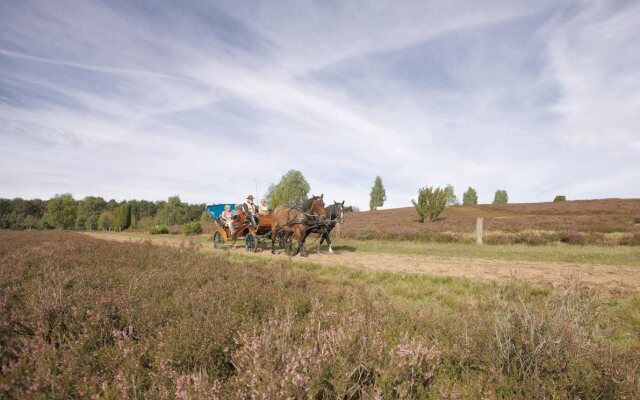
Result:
[273,241]
[303,237]
[326,235]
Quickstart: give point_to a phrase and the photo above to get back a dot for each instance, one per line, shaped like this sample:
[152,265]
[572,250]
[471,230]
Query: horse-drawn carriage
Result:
[243,228]
[283,225]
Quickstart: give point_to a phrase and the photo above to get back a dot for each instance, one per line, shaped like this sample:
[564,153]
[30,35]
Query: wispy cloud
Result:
[132,100]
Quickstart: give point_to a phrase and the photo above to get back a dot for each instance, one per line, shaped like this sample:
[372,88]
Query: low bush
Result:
[572,237]
[631,239]
[158,229]
[533,239]
[192,228]
[145,223]
[497,239]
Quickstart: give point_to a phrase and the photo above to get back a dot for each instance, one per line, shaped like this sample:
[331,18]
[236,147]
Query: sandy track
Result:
[610,280]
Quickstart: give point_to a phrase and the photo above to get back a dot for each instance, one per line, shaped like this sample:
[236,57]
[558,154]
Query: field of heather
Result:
[603,222]
[82,317]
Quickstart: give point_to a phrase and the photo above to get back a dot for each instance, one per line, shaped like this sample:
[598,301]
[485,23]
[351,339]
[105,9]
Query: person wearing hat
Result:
[251,210]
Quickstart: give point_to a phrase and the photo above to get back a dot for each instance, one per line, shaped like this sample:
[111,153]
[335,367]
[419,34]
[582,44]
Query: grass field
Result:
[560,252]
[83,317]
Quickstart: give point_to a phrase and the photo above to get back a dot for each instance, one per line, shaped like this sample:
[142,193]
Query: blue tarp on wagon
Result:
[215,210]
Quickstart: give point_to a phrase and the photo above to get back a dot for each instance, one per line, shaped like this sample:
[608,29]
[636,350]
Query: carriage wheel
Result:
[251,242]
[291,247]
[217,240]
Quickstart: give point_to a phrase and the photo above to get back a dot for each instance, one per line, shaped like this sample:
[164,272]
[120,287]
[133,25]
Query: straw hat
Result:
[250,197]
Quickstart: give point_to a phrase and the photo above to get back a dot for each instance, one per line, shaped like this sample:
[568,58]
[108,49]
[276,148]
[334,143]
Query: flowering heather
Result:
[86,318]
[546,220]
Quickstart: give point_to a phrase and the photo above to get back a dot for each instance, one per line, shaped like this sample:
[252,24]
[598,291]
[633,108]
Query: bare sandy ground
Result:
[609,280]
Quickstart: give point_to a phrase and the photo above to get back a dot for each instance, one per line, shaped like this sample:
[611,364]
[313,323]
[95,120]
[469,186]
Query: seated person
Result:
[227,218]
[263,208]
[251,210]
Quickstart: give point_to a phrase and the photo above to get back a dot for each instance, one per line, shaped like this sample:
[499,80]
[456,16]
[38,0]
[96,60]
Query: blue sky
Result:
[147,99]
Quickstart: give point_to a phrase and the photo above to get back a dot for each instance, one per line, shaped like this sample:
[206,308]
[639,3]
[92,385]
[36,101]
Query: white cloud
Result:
[140,102]
[595,58]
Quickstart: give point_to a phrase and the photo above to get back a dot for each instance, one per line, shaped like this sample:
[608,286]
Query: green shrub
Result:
[145,223]
[192,228]
[431,202]
[559,198]
[158,230]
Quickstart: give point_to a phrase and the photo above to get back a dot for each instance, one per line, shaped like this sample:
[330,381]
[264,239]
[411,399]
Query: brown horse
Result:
[297,221]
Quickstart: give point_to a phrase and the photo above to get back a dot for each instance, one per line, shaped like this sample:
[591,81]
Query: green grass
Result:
[614,255]
[618,255]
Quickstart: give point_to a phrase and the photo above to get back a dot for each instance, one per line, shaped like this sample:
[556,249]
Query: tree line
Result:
[432,201]
[94,213]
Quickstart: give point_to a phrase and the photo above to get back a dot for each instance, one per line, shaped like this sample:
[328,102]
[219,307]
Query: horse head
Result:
[339,210]
[316,207]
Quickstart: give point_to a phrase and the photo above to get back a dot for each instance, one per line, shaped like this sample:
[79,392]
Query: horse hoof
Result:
[330,251]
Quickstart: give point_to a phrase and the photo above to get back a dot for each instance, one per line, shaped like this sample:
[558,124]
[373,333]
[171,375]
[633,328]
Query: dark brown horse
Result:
[297,221]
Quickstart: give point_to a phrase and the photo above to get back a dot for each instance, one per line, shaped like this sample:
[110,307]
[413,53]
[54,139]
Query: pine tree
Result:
[378,194]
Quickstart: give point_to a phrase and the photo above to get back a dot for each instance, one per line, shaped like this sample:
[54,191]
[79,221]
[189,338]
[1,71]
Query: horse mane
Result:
[331,211]
[306,205]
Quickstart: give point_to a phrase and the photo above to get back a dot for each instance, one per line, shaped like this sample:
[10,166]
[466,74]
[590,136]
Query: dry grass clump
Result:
[632,238]
[81,318]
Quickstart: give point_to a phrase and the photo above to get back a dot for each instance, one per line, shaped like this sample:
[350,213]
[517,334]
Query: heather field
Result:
[598,222]
[82,317]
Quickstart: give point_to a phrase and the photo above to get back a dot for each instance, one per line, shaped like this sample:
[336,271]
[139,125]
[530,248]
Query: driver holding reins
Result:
[251,210]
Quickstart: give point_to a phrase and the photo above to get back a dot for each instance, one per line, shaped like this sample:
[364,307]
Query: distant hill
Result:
[590,216]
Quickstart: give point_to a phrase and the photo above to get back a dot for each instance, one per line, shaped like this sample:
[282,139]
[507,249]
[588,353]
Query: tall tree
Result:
[292,189]
[378,194]
[470,197]
[452,199]
[501,197]
[89,210]
[121,217]
[105,220]
[173,212]
[61,211]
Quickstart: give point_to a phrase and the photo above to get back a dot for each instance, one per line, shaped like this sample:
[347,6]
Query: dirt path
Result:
[610,280]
